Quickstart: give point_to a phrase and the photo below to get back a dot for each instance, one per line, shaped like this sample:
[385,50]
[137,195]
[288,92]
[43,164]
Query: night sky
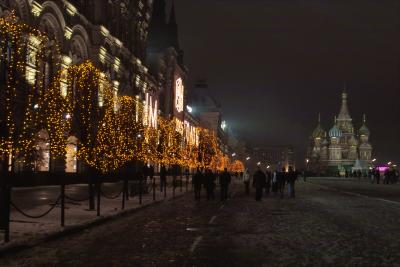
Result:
[275,64]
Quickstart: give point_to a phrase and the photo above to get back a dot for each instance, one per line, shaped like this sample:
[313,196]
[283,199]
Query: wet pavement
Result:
[321,227]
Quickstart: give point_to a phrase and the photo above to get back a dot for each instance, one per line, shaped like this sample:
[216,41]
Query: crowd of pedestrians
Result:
[264,183]
[207,179]
[390,176]
[272,182]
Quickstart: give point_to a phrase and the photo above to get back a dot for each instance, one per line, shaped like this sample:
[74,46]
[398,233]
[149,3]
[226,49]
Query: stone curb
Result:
[74,229]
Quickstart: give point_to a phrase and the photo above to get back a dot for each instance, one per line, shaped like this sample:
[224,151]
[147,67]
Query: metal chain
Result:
[35,216]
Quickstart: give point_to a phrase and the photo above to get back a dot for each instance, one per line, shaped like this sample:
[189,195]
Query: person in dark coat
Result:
[268,184]
[145,171]
[197,183]
[291,180]
[151,172]
[209,184]
[163,178]
[259,182]
[224,181]
[281,177]
[377,175]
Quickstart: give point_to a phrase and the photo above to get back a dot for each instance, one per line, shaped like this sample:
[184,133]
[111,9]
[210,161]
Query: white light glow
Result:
[179,95]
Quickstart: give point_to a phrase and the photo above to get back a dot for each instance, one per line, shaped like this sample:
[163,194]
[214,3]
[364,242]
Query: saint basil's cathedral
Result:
[342,149]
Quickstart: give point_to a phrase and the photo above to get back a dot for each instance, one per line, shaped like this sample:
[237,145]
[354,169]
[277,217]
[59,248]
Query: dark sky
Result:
[274,64]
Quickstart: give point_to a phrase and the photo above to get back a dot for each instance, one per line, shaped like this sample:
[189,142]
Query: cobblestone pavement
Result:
[321,227]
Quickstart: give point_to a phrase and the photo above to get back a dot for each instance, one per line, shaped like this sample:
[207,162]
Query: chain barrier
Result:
[111,197]
[35,216]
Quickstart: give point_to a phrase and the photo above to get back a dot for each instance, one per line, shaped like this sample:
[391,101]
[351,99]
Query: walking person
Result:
[281,178]
[246,181]
[224,181]
[291,180]
[268,182]
[163,178]
[209,184]
[197,183]
[275,182]
[259,182]
[377,175]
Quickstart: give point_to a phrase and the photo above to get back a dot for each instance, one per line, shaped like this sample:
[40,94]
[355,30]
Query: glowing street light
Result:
[389,163]
[233,154]
[68,116]
[223,125]
[248,158]
[268,167]
[373,160]
[258,163]
[189,109]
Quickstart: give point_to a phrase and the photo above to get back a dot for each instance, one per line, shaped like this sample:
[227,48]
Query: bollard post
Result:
[181,182]
[165,187]
[187,182]
[62,205]
[154,188]
[173,185]
[91,193]
[140,189]
[123,196]
[98,198]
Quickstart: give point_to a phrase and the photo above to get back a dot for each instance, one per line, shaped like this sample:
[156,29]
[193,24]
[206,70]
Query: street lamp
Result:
[258,163]
[373,160]
[248,158]
[233,154]
[389,163]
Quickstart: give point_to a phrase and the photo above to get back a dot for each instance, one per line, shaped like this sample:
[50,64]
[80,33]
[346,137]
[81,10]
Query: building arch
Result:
[51,7]
[71,160]
[79,45]
[42,153]
[49,24]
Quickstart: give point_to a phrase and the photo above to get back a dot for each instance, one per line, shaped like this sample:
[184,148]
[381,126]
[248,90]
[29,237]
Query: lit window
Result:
[31,53]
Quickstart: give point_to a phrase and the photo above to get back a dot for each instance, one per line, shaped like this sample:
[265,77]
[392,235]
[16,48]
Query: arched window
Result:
[71,161]
[42,153]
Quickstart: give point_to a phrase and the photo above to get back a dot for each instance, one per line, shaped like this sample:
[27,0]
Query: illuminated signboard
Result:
[191,134]
[150,111]
[179,95]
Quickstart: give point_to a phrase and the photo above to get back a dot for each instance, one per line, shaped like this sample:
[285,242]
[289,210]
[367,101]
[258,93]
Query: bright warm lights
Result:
[179,95]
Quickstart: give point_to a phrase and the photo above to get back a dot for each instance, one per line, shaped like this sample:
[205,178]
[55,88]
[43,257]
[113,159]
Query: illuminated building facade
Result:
[110,34]
[342,148]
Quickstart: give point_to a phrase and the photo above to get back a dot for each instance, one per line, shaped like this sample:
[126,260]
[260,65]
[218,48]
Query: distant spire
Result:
[319,117]
[344,110]
[364,118]
[335,120]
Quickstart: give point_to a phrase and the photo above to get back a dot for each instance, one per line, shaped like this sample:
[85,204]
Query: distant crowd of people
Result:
[263,182]
[207,179]
[271,182]
[390,176]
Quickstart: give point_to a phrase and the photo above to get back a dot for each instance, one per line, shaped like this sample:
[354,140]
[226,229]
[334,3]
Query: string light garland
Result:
[109,128]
